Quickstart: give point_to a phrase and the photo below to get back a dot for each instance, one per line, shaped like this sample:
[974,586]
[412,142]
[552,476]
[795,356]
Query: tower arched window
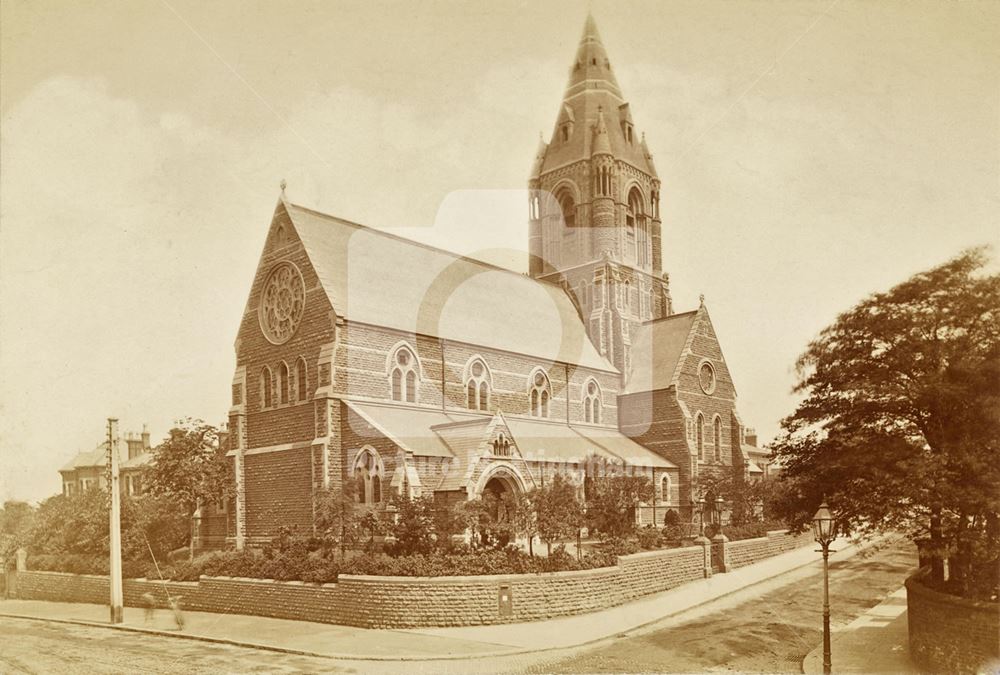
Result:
[567,209]
[592,405]
[477,386]
[301,381]
[636,227]
[539,394]
[403,377]
[368,471]
[717,438]
[700,435]
[266,393]
[283,389]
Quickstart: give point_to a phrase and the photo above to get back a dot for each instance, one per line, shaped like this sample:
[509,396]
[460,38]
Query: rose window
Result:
[282,303]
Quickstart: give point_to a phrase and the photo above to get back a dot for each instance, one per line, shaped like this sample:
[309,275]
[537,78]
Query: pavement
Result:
[875,642]
[425,644]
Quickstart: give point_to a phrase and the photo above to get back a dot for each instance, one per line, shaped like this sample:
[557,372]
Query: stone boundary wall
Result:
[410,602]
[745,552]
[949,634]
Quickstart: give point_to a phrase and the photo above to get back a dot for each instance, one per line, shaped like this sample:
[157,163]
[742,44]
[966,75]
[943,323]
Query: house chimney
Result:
[145,437]
[751,436]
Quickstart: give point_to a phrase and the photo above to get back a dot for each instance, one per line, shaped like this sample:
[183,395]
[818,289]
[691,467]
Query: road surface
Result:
[768,627]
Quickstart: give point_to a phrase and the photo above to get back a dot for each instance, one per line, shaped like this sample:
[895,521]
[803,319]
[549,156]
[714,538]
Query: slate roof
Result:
[657,348]
[593,89]
[378,278]
[86,459]
[433,433]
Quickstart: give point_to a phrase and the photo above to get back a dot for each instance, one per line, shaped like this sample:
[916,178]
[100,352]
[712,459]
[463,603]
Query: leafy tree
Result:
[16,518]
[76,523]
[414,528]
[612,499]
[899,427]
[190,467]
[338,517]
[558,513]
[152,526]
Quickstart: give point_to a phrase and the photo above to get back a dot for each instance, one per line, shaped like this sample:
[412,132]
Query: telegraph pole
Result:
[115,543]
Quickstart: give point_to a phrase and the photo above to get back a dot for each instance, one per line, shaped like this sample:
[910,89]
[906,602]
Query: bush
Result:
[752,530]
[649,538]
[82,563]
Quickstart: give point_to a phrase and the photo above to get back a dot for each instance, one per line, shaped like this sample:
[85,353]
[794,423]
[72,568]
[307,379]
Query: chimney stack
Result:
[145,437]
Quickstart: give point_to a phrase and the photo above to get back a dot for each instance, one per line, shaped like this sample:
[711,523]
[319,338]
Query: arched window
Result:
[301,383]
[717,437]
[283,389]
[567,208]
[636,227]
[501,446]
[477,387]
[700,435]
[368,471]
[266,395]
[592,402]
[539,394]
[403,378]
[665,488]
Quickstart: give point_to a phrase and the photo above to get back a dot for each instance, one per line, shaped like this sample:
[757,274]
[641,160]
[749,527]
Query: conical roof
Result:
[592,89]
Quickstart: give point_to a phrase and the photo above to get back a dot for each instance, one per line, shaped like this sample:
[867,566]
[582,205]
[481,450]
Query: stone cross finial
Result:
[283,186]
[701,300]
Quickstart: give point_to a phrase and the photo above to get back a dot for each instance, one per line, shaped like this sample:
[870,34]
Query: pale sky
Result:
[810,153]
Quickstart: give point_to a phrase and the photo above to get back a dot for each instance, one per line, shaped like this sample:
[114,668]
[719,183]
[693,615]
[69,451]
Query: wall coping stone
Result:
[743,541]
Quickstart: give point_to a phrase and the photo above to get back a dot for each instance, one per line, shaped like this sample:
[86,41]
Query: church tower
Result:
[594,207]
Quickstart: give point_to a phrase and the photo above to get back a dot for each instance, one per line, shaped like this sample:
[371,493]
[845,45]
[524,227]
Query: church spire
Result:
[592,64]
[592,88]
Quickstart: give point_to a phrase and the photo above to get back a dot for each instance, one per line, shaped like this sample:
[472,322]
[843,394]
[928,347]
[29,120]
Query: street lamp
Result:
[718,510]
[701,516]
[825,530]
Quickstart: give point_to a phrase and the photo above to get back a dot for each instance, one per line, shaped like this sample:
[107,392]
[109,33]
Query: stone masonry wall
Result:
[747,551]
[950,634]
[406,602]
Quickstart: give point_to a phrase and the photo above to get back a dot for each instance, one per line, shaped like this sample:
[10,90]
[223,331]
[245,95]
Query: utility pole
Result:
[115,543]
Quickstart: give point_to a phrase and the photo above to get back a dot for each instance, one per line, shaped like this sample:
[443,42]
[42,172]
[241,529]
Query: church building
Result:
[367,359]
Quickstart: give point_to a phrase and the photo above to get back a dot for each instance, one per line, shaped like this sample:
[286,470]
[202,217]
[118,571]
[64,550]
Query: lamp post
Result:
[825,530]
[718,509]
[701,516]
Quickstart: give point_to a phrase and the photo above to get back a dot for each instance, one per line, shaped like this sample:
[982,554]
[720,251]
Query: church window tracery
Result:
[477,387]
[403,375]
[592,402]
[368,471]
[540,393]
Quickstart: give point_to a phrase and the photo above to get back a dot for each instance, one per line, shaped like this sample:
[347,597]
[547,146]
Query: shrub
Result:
[649,538]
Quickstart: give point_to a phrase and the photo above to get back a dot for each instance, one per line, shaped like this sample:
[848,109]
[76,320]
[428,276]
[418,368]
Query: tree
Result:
[337,518]
[414,528]
[190,467]
[16,518]
[612,499]
[558,513]
[899,426]
[76,523]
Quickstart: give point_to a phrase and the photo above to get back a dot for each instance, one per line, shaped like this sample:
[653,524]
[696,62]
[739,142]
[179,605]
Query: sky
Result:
[811,153]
